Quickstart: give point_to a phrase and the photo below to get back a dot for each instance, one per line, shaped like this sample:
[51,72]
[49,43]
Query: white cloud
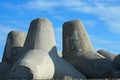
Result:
[42,5]
[108,11]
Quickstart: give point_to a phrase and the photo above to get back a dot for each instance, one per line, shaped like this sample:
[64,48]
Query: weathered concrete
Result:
[35,64]
[117,61]
[107,54]
[62,68]
[41,37]
[14,44]
[4,70]
[78,51]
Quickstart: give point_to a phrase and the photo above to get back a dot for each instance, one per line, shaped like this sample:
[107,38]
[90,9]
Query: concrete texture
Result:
[107,54]
[35,64]
[4,70]
[79,52]
[62,68]
[41,37]
[117,61]
[14,44]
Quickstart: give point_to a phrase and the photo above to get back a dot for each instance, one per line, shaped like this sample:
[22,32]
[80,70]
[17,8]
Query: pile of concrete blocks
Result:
[35,56]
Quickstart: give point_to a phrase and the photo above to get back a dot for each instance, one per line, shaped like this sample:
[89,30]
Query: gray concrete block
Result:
[41,37]
[79,52]
[14,44]
[35,64]
[107,54]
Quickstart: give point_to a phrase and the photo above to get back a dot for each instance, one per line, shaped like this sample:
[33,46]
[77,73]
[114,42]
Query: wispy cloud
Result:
[41,5]
[107,11]
[102,43]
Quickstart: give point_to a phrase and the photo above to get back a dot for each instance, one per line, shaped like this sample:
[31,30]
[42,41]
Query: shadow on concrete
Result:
[15,54]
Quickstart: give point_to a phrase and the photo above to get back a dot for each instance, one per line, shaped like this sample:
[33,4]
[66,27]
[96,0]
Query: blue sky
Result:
[101,19]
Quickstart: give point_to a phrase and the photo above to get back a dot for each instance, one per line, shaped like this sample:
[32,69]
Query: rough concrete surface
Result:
[79,52]
[14,44]
[35,64]
[107,54]
[41,37]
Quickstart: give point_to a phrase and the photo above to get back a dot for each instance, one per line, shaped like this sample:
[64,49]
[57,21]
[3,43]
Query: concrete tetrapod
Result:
[107,54]
[14,44]
[35,64]
[41,37]
[79,52]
